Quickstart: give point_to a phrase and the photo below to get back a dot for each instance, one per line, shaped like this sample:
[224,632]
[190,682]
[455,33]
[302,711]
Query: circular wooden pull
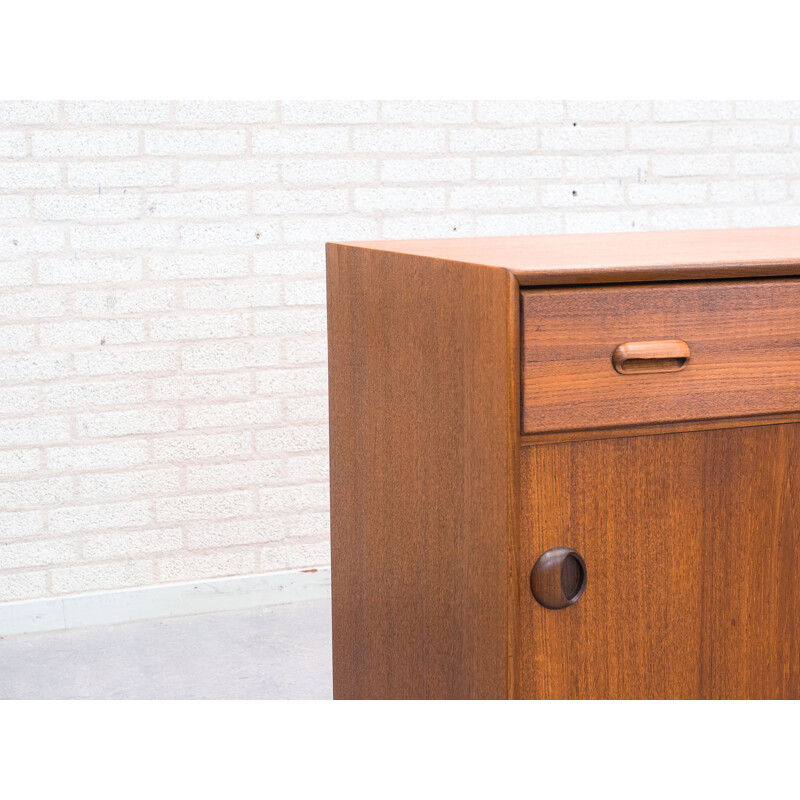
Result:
[558,578]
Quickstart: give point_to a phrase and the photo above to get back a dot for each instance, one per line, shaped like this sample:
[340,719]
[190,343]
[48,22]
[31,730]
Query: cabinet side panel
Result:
[420,414]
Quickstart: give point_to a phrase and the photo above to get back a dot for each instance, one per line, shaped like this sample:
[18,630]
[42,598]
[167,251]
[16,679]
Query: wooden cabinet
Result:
[611,422]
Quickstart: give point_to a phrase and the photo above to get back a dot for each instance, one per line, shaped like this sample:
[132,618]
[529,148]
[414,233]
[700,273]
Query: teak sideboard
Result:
[566,466]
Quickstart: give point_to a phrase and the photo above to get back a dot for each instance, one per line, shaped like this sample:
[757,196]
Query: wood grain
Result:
[423,413]
[692,550]
[620,257]
[743,337]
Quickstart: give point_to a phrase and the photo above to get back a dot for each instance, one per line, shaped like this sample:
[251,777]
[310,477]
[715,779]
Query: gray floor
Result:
[280,652]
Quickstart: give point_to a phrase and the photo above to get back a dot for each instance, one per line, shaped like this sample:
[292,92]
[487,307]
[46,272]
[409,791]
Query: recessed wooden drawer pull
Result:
[660,356]
[558,577]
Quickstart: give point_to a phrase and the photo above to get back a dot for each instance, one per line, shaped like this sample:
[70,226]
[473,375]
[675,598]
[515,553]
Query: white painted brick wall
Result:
[163,409]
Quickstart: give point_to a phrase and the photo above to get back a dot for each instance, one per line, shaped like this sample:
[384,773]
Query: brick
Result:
[223,533]
[90,333]
[21,524]
[37,367]
[116,112]
[45,491]
[238,172]
[518,224]
[149,482]
[667,193]
[290,261]
[108,302]
[195,447]
[605,221]
[425,170]
[15,242]
[34,430]
[608,110]
[688,218]
[23,585]
[233,294]
[399,140]
[226,562]
[310,229]
[290,321]
[199,326]
[112,575]
[481,198]
[515,112]
[28,112]
[229,234]
[64,521]
[97,456]
[309,467]
[493,139]
[305,350]
[129,544]
[318,112]
[298,438]
[301,201]
[38,303]
[747,191]
[86,143]
[767,163]
[329,170]
[573,195]
[17,399]
[226,112]
[18,462]
[193,387]
[689,165]
[125,423]
[229,355]
[130,235]
[297,380]
[310,524]
[295,555]
[399,199]
[116,362]
[751,136]
[605,166]
[176,142]
[13,207]
[197,204]
[112,174]
[583,137]
[115,206]
[234,474]
[249,412]
[41,553]
[94,393]
[12,144]
[517,168]
[62,270]
[16,274]
[679,110]
[313,408]
[279,141]
[205,506]
[178,267]
[427,226]
[669,137]
[426,111]
[304,292]
[16,338]
[30,175]
[768,109]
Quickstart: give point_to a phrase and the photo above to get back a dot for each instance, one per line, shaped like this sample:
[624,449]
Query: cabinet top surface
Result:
[619,257]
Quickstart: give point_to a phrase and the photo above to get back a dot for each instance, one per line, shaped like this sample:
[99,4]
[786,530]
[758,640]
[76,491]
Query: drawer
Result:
[630,355]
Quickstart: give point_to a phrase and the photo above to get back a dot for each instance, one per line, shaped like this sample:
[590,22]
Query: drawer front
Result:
[632,355]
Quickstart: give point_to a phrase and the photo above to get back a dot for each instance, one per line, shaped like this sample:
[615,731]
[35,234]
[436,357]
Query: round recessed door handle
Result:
[558,578]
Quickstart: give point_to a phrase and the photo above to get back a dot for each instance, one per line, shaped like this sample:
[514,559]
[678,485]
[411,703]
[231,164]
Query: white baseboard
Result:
[167,600]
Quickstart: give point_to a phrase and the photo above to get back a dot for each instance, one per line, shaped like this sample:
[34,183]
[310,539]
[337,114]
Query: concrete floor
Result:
[279,652]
